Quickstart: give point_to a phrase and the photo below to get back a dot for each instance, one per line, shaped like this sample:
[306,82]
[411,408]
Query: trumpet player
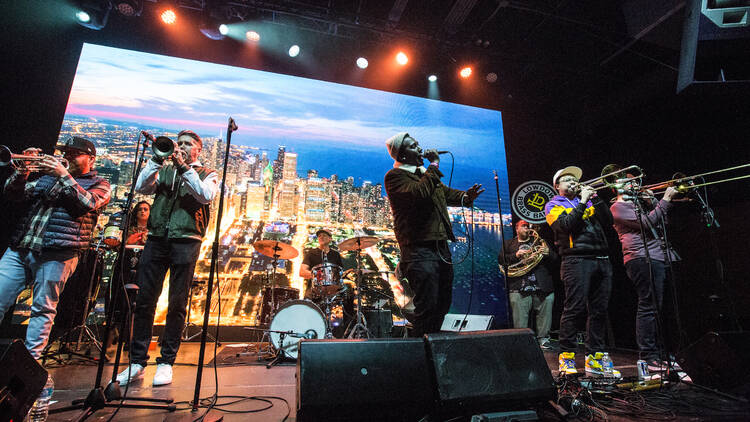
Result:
[533,289]
[645,263]
[62,207]
[176,225]
[577,216]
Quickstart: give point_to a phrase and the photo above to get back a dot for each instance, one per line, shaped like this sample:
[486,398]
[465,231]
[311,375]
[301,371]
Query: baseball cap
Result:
[572,170]
[78,143]
[326,231]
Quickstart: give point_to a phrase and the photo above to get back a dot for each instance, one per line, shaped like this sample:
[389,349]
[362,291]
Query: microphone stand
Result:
[231,127]
[504,262]
[99,397]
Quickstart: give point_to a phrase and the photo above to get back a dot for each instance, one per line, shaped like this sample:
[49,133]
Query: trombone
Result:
[614,176]
[23,163]
[684,183]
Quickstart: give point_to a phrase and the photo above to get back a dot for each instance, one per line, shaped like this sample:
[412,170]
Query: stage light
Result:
[93,14]
[492,77]
[294,51]
[401,58]
[362,63]
[465,72]
[432,78]
[252,36]
[168,16]
[223,29]
[211,30]
[83,16]
[129,7]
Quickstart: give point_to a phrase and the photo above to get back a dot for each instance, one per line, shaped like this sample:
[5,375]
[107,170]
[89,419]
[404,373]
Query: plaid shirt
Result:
[16,188]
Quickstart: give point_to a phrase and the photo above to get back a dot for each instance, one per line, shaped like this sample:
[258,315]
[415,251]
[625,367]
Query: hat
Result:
[326,231]
[78,143]
[572,170]
[191,134]
[395,143]
[522,222]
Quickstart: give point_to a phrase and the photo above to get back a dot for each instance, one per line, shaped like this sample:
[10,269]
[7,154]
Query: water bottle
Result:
[40,408]
[607,366]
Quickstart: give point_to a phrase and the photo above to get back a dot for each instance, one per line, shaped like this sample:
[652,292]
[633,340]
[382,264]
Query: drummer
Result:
[138,229]
[321,255]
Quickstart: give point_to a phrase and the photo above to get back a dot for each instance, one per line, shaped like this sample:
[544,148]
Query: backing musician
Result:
[138,229]
[577,216]
[177,224]
[534,289]
[46,244]
[313,257]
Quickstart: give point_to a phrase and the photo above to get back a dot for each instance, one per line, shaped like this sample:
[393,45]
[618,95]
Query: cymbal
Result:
[274,248]
[358,243]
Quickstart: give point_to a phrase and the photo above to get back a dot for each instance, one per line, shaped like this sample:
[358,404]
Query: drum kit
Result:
[289,319]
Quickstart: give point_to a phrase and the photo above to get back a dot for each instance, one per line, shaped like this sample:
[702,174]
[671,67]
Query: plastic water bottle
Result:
[607,366]
[40,409]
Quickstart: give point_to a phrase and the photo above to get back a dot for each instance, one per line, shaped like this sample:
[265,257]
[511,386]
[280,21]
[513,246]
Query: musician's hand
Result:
[32,151]
[670,193]
[51,166]
[586,193]
[520,253]
[432,156]
[178,158]
[473,192]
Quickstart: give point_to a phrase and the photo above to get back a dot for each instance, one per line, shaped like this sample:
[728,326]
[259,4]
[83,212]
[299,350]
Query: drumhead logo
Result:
[529,199]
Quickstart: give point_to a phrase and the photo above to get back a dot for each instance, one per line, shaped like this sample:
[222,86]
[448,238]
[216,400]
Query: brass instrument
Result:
[23,163]
[165,148]
[684,183]
[535,255]
[613,176]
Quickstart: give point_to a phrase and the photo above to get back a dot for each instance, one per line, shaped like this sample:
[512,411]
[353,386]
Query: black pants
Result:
[432,281]
[160,255]
[645,321]
[588,285]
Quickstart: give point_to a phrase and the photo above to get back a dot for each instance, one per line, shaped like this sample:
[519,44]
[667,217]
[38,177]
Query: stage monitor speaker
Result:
[376,379]
[718,360]
[488,371]
[464,322]
[21,381]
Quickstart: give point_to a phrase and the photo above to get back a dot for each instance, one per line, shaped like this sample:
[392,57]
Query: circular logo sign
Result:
[529,199]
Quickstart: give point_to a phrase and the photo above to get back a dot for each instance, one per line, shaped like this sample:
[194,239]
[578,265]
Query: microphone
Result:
[148,136]
[443,152]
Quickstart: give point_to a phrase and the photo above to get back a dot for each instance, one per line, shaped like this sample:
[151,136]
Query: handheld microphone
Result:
[443,152]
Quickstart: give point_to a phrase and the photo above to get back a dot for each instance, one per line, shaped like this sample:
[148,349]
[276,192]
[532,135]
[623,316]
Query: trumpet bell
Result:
[163,147]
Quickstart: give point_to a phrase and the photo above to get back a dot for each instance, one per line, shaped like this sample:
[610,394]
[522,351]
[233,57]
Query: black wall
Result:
[641,122]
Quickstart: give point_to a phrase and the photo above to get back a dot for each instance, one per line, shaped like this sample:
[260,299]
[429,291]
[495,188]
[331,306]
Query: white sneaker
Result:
[133,372]
[163,374]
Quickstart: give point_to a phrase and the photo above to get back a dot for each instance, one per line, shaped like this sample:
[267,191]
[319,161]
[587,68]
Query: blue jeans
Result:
[160,255]
[47,272]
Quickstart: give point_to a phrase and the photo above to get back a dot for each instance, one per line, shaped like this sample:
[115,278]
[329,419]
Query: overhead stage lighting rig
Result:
[93,14]
[129,8]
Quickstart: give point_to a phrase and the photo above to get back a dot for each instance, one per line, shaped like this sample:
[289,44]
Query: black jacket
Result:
[579,227]
[542,278]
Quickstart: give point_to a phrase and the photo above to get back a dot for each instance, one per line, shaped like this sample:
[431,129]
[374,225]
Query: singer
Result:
[176,225]
[419,203]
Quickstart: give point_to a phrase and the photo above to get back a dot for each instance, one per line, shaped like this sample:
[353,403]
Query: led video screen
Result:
[308,154]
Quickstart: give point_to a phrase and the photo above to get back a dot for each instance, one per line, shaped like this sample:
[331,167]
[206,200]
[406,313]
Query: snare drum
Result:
[326,279]
[112,236]
[299,318]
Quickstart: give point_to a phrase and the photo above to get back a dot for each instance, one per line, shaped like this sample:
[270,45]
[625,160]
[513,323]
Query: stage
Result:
[251,378]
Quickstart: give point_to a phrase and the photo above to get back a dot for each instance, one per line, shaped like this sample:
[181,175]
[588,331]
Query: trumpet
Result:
[25,163]
[613,176]
[165,148]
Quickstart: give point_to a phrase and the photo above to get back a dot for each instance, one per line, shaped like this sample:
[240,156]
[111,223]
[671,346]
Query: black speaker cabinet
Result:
[488,371]
[21,381]
[376,379]
[718,360]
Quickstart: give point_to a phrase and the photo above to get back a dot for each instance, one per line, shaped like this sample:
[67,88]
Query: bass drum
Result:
[302,319]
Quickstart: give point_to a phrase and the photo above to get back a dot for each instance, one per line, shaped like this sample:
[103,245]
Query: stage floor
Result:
[251,378]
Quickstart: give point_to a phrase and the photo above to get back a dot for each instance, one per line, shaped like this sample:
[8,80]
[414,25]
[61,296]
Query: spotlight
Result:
[223,29]
[362,63]
[252,36]
[294,51]
[93,14]
[432,78]
[492,77]
[168,16]
[212,30]
[129,7]
[402,58]
[465,72]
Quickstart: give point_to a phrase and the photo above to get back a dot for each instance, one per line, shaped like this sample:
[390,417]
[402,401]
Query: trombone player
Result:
[62,208]
[176,225]
[530,284]
[577,216]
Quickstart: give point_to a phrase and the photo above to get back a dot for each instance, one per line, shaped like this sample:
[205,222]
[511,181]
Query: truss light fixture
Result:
[294,51]
[402,58]
[465,72]
[223,29]
[129,7]
[432,78]
[93,14]
[168,16]
[83,17]
[362,63]
[252,36]
[492,77]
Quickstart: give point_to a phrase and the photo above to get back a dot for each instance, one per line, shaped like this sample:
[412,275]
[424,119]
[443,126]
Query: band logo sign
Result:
[529,199]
